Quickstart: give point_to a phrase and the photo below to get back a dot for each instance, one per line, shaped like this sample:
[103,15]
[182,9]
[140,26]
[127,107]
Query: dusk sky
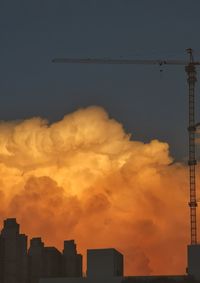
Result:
[147,103]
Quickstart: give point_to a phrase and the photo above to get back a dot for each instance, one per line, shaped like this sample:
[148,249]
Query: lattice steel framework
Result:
[191,74]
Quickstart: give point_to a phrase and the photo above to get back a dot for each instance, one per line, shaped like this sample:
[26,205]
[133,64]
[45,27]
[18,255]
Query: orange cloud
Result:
[85,178]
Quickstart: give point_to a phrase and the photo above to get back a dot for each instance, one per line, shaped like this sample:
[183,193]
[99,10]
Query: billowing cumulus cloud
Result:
[85,178]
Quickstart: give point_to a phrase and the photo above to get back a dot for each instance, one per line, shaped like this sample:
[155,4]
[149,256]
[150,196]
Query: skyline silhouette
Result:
[20,264]
[40,264]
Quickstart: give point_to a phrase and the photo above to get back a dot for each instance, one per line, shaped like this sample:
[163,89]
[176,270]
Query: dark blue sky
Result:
[149,105]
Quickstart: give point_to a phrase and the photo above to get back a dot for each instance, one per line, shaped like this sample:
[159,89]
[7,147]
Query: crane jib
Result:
[122,61]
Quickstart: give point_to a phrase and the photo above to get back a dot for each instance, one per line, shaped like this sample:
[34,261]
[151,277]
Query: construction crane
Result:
[190,68]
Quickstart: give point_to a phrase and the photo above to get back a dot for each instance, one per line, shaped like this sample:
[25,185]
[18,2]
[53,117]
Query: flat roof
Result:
[104,250]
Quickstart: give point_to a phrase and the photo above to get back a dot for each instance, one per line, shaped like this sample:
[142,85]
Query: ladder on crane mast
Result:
[190,69]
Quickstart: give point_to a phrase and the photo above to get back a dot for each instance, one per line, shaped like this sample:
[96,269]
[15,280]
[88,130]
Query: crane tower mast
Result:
[190,68]
[191,73]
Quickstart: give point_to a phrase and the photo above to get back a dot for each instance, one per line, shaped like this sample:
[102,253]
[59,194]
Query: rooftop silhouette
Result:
[40,264]
[21,265]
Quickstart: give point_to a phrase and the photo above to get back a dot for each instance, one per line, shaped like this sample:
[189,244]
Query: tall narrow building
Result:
[1,259]
[35,260]
[52,263]
[72,261]
[13,253]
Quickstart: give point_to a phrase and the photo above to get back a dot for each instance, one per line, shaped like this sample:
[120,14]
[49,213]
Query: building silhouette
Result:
[13,253]
[35,260]
[71,261]
[52,263]
[104,263]
[21,265]
[40,264]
